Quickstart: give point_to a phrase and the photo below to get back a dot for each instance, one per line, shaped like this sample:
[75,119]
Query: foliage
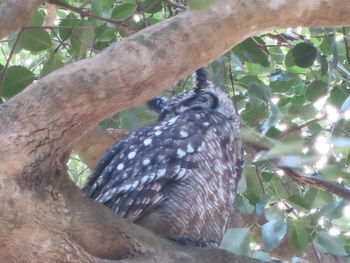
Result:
[291,88]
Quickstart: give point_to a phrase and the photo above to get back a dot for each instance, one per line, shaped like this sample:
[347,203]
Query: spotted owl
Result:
[178,176]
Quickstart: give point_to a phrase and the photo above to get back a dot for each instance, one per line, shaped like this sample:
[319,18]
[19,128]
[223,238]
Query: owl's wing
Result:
[131,175]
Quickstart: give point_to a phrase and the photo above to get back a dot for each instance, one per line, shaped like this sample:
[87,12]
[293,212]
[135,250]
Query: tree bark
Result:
[43,217]
[16,13]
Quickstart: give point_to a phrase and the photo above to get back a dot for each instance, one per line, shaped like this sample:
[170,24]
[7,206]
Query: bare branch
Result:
[120,24]
[173,4]
[319,183]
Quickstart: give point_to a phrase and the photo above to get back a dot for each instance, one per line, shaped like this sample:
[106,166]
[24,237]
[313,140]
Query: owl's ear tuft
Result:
[157,104]
[200,79]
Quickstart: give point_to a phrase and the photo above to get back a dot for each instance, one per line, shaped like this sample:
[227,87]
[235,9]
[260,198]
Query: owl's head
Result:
[205,95]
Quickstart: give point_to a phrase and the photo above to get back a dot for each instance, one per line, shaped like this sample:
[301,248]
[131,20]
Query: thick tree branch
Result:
[16,13]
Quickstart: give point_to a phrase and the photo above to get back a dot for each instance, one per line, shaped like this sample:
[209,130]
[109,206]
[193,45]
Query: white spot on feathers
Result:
[183,134]
[148,141]
[131,155]
[180,153]
[146,162]
[190,148]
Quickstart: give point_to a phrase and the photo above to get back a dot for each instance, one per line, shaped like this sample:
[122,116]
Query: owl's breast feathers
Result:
[177,177]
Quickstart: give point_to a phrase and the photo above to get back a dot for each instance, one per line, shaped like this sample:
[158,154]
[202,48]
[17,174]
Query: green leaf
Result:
[273,232]
[330,244]
[51,65]
[106,34]
[101,7]
[299,202]
[276,54]
[338,95]
[82,37]
[273,212]
[324,65]
[332,172]
[69,21]
[154,8]
[326,46]
[281,81]
[318,198]
[254,190]
[35,40]
[333,210]
[249,51]
[275,115]
[242,204]
[242,185]
[123,11]
[289,59]
[15,80]
[263,256]
[303,111]
[199,4]
[299,239]
[315,128]
[236,240]
[37,18]
[255,111]
[304,54]
[257,88]
[316,90]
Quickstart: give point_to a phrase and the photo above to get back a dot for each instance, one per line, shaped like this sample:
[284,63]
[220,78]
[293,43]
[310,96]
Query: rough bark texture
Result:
[43,217]
[15,14]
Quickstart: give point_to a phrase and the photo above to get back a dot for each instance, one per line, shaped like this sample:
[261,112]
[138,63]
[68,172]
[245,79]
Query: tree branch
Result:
[304,180]
[14,14]
[319,183]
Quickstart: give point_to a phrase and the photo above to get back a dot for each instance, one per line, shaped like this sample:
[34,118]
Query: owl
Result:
[178,176]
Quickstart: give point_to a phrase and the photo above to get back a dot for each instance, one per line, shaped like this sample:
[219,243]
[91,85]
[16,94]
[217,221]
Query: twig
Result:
[233,87]
[260,47]
[304,180]
[343,130]
[298,128]
[314,249]
[346,45]
[7,40]
[174,4]
[81,12]
[259,177]
[316,182]
[3,52]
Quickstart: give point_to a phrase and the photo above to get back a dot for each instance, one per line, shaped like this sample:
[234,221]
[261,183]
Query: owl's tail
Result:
[200,78]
